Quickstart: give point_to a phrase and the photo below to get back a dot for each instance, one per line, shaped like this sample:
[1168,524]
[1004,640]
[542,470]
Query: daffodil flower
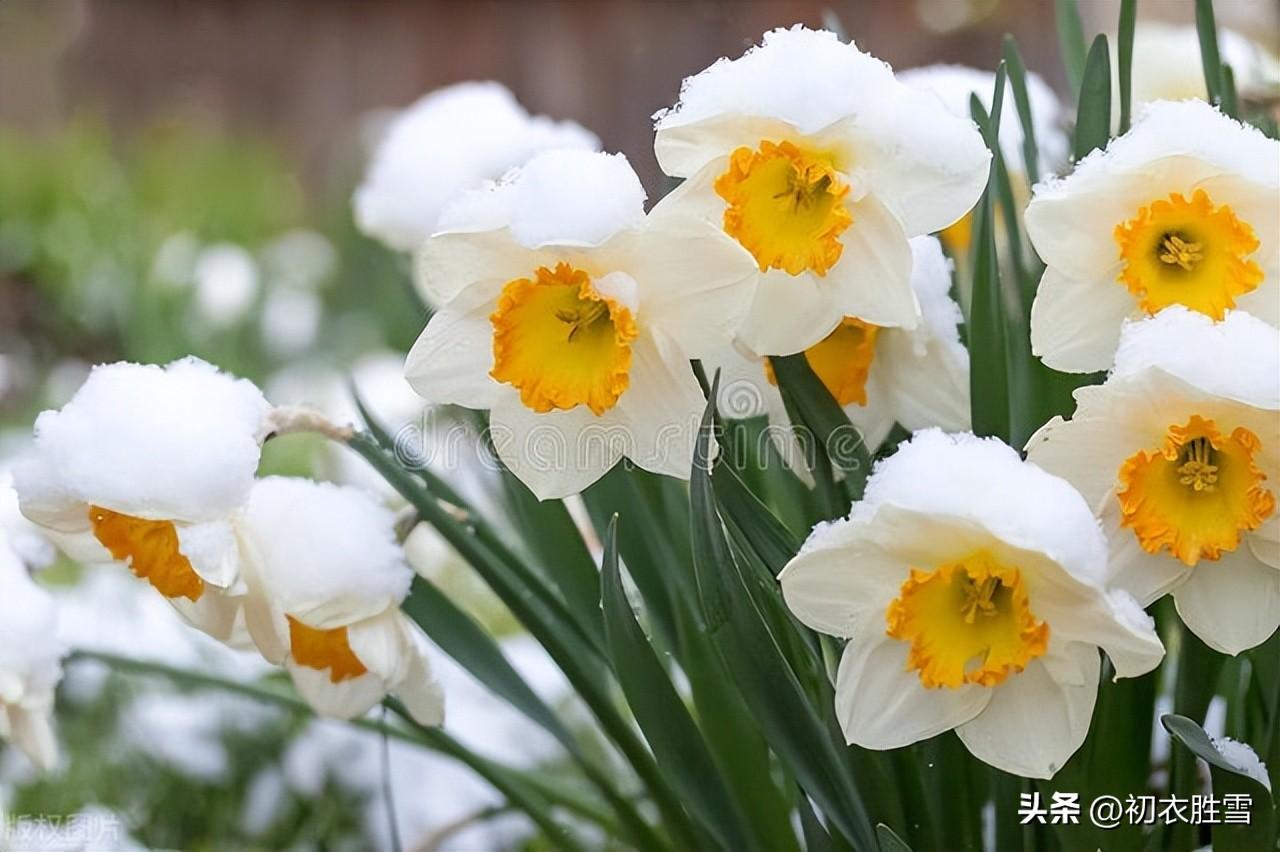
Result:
[954,85]
[880,376]
[1178,452]
[821,164]
[1162,72]
[30,656]
[146,465]
[326,578]
[970,586]
[572,316]
[449,142]
[1181,210]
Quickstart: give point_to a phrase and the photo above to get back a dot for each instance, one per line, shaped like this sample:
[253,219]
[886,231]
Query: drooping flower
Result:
[880,376]
[326,579]
[1166,64]
[1181,210]
[572,317]
[1178,452]
[970,586]
[818,161]
[30,661]
[954,85]
[449,142]
[146,466]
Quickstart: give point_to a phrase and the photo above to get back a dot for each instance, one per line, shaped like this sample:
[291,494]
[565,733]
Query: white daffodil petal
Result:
[452,358]
[1232,604]
[841,580]
[697,281]
[558,453]
[381,645]
[1075,323]
[1265,541]
[661,409]
[212,551]
[929,389]
[873,276]
[454,261]
[346,699]
[685,149]
[790,313]
[32,732]
[419,690]
[1146,576]
[213,612]
[881,703]
[1033,724]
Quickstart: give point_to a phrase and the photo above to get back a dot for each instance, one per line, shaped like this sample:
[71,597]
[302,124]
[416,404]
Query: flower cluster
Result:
[823,207]
[154,467]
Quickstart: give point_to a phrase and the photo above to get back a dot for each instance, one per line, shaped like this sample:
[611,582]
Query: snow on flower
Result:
[1181,210]
[572,317]
[881,376]
[1178,452]
[145,466]
[821,164]
[30,661]
[978,609]
[448,142]
[326,578]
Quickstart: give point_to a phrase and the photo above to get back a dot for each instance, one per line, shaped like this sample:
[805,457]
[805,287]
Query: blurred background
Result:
[175,177]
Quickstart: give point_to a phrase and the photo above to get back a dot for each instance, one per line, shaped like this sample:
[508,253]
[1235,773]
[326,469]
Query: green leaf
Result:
[1071,41]
[1022,100]
[459,636]
[1260,832]
[769,537]
[1128,19]
[558,547]
[989,361]
[675,739]
[1210,59]
[837,438]
[1093,113]
[1230,99]
[887,841]
[751,653]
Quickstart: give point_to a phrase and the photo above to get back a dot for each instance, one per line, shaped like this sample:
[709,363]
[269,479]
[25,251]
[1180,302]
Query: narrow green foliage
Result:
[1210,58]
[988,359]
[1071,41]
[1128,20]
[1017,73]
[1093,113]
[676,741]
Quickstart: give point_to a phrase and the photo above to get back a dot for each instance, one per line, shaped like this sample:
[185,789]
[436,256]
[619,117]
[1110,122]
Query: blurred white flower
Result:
[572,317]
[971,587]
[1166,65]
[818,161]
[20,535]
[290,320]
[30,661]
[301,259]
[226,284]
[1177,452]
[326,578]
[146,465]
[450,141]
[881,376]
[173,266]
[1181,210]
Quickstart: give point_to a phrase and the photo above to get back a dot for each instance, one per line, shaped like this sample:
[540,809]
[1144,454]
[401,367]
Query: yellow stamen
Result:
[562,343]
[785,206]
[324,649]
[1196,493]
[1190,253]
[968,622]
[150,548]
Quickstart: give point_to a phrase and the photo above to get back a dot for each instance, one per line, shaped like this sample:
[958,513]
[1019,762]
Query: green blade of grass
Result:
[1210,58]
[1124,47]
[1071,41]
